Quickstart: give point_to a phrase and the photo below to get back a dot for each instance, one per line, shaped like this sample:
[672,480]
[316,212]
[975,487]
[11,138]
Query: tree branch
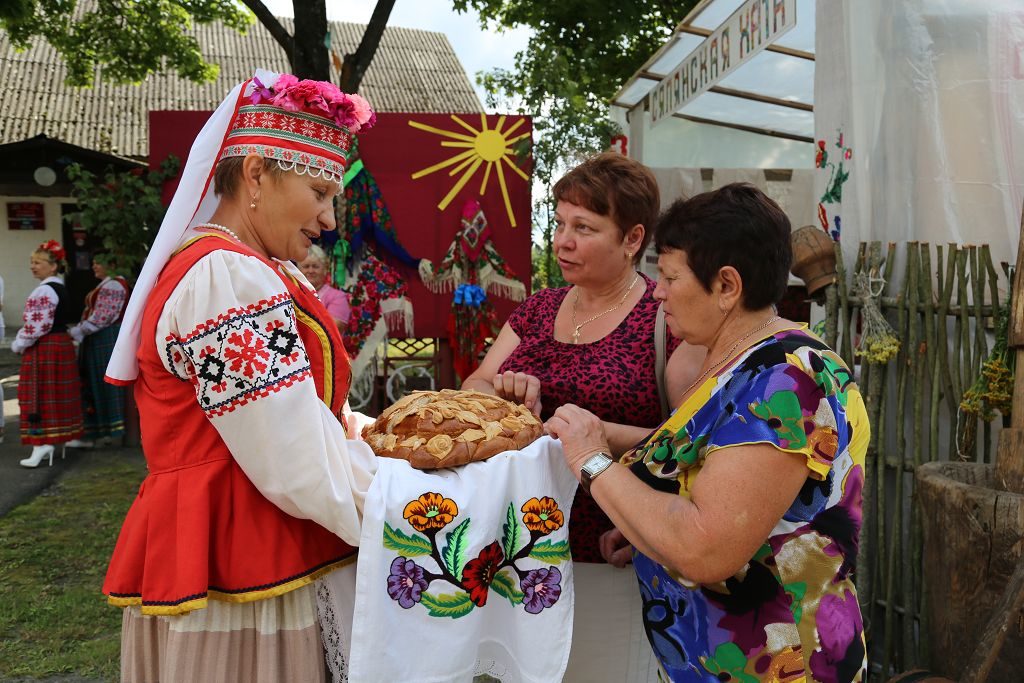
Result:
[354,67]
[282,36]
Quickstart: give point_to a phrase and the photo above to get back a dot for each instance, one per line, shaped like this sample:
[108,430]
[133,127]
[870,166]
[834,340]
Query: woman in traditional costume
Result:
[236,559]
[740,513]
[593,344]
[49,391]
[102,403]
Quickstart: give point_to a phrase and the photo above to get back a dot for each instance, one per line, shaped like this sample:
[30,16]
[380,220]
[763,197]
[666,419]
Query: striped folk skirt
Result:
[102,403]
[266,641]
[50,392]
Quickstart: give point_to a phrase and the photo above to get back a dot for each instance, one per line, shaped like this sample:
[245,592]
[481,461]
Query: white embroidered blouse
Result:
[40,312]
[105,311]
[254,384]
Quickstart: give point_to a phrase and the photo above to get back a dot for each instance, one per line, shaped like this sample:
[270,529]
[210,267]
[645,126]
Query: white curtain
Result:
[921,103]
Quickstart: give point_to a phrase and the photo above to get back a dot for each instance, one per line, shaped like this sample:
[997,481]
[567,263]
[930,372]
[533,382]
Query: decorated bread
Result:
[447,428]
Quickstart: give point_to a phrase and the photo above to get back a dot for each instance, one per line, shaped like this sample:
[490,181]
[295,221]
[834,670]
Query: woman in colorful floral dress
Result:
[743,509]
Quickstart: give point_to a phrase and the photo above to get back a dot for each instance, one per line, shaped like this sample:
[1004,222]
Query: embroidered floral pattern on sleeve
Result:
[107,308]
[498,567]
[791,613]
[38,315]
[243,355]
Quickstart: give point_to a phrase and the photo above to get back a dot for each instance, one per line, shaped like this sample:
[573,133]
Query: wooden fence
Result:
[940,310]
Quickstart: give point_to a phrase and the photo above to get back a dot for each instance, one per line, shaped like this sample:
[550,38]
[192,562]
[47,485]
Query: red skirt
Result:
[50,392]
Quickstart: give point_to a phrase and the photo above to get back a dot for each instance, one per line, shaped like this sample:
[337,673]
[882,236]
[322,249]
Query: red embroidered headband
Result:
[53,248]
[306,126]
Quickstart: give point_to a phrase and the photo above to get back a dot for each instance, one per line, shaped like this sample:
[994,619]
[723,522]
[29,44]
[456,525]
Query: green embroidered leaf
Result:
[730,657]
[454,553]
[511,529]
[453,606]
[504,584]
[548,551]
[410,546]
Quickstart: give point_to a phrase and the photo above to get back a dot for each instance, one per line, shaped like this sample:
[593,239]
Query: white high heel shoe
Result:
[38,453]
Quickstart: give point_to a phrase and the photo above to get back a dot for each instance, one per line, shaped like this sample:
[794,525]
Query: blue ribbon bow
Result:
[469,295]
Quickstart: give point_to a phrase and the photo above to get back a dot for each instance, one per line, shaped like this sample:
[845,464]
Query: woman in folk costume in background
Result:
[49,391]
[102,403]
[244,529]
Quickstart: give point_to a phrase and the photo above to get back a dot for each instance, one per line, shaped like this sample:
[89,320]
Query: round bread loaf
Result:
[447,428]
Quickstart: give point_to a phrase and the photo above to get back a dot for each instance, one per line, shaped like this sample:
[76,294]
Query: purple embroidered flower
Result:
[541,588]
[406,582]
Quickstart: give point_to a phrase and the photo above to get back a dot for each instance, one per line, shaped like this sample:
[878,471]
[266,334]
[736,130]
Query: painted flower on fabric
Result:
[479,572]
[729,659]
[430,511]
[841,654]
[541,588]
[784,415]
[542,515]
[407,582]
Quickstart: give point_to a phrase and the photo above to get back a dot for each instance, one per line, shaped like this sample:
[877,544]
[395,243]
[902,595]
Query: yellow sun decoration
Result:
[491,146]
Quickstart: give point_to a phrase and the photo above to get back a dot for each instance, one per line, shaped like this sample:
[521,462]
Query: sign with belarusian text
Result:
[747,31]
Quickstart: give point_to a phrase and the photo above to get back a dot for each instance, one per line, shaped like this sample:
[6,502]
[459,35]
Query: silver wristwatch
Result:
[595,465]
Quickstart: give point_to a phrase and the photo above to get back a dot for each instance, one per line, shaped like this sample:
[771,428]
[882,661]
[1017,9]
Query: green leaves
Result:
[549,552]
[504,584]
[445,605]
[510,538]
[129,39]
[122,209]
[409,546]
[454,553]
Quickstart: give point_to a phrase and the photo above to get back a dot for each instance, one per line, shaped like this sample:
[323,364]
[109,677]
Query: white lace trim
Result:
[303,169]
[329,633]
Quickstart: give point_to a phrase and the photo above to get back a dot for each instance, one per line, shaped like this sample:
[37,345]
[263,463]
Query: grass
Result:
[53,556]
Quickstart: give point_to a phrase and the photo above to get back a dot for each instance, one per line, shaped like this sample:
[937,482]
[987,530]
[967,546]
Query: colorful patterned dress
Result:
[791,613]
[102,403]
[49,390]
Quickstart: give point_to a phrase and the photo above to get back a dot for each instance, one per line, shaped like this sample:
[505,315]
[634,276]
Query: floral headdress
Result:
[54,249]
[306,126]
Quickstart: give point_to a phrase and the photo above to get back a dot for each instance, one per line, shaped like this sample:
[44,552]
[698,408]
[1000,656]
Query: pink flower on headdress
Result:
[304,95]
[365,117]
[284,81]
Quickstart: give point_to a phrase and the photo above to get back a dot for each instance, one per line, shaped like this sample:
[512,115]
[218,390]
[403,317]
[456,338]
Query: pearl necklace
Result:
[728,355]
[221,228]
[576,300]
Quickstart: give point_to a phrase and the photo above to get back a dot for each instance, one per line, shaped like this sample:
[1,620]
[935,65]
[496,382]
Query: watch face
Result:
[596,463]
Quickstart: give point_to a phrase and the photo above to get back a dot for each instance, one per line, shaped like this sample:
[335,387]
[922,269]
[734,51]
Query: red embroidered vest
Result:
[199,529]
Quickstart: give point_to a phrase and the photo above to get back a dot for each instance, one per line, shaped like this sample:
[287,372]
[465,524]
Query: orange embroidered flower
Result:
[430,511]
[542,515]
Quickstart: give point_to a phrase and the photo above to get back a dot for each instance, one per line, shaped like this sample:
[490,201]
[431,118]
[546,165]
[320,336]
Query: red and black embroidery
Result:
[242,355]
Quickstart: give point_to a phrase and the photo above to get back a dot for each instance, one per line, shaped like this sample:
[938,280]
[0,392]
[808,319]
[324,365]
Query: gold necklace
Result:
[576,300]
[728,355]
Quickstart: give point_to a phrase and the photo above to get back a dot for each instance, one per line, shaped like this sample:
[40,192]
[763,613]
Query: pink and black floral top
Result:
[614,378]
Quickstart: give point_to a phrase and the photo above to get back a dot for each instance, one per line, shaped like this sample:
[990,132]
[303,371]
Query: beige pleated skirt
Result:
[265,641]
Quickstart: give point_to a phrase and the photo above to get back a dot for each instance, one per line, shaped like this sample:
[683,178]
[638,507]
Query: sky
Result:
[477,49]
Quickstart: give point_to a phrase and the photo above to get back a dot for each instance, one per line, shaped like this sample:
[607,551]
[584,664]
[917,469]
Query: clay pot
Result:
[814,257]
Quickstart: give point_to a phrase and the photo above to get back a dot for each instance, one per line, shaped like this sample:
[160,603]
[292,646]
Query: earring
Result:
[252,205]
[629,256]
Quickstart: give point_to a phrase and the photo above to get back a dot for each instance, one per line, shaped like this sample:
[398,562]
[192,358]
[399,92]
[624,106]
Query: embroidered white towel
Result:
[466,571]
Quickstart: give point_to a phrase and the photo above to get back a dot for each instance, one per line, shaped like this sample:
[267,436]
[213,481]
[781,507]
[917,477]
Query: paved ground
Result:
[20,484]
